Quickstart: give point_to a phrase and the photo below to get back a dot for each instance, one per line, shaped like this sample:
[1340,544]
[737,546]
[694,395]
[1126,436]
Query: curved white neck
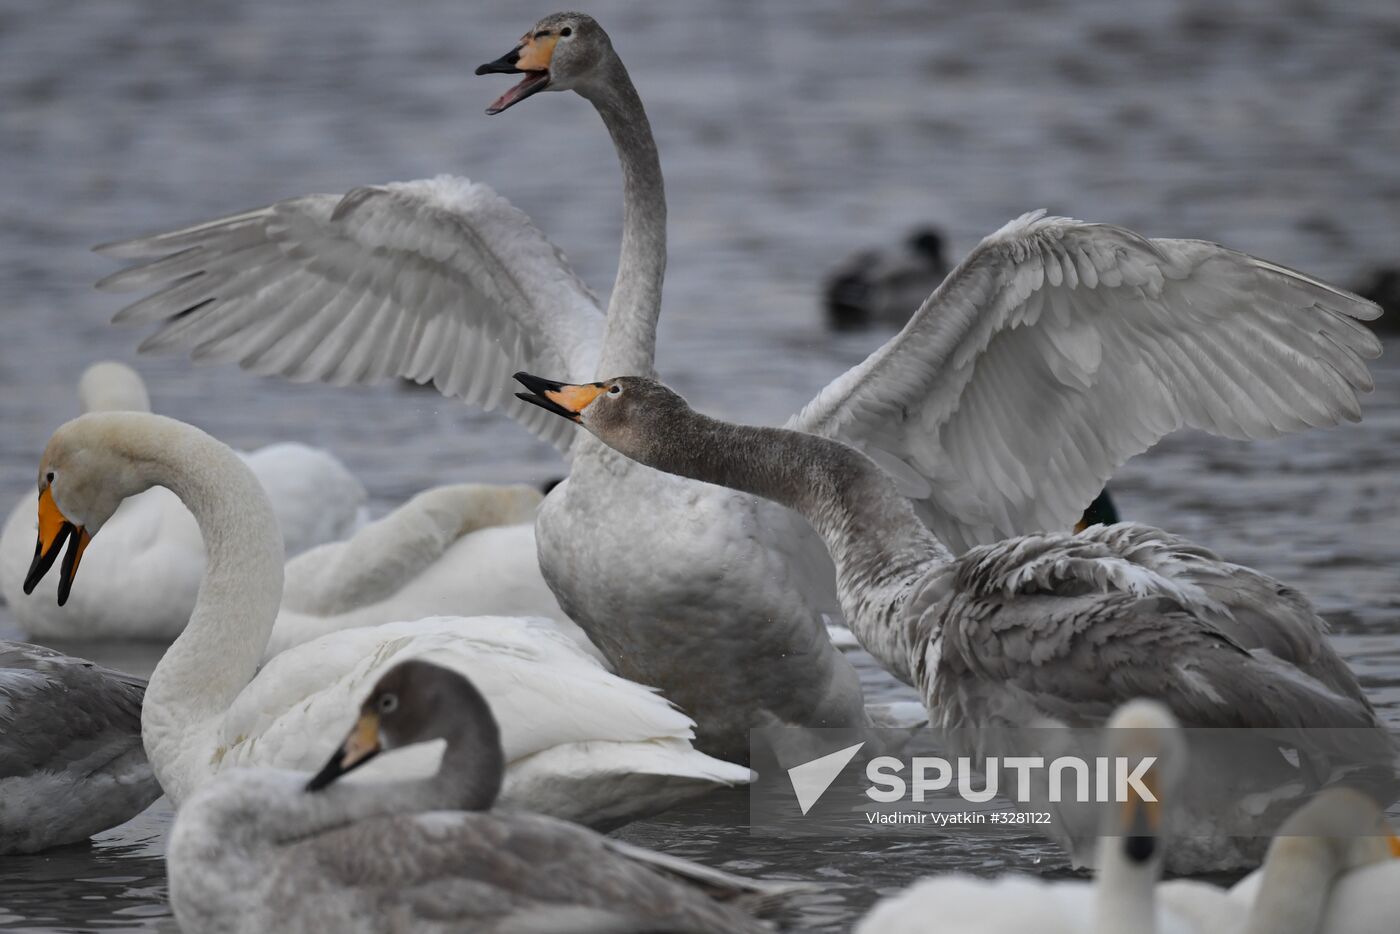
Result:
[1298,876]
[1125,892]
[218,653]
[629,336]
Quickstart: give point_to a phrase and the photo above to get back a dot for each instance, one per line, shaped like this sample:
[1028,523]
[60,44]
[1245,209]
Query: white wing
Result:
[1059,349]
[440,280]
[580,742]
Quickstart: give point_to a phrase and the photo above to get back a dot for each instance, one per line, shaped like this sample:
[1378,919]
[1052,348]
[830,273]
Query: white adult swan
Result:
[425,855]
[140,580]
[462,549]
[1121,900]
[1052,354]
[581,742]
[1055,628]
[1332,868]
[71,762]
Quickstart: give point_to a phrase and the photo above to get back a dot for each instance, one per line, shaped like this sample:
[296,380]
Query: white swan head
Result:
[110,386]
[562,52]
[1348,825]
[88,468]
[1140,730]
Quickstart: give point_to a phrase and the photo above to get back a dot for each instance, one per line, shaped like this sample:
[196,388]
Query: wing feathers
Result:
[439,281]
[1059,349]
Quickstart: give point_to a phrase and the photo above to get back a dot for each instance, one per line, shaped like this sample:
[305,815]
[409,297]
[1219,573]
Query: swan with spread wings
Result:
[1054,352]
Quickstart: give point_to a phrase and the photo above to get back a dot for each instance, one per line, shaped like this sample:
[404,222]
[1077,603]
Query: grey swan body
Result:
[1053,627]
[71,760]
[261,850]
[1050,355]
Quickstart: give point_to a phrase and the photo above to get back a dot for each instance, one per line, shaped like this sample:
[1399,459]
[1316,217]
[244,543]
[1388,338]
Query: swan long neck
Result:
[218,652]
[877,542]
[1124,892]
[629,337]
[1298,877]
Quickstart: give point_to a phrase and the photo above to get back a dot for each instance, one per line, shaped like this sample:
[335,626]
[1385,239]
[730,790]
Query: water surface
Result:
[792,132]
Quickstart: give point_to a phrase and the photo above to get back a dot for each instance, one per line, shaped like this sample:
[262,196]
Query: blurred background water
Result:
[791,133]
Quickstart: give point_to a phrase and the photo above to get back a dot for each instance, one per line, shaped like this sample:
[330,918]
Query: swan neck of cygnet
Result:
[1124,891]
[879,545]
[219,650]
[629,336]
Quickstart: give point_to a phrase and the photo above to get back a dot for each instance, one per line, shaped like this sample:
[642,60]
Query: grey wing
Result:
[507,872]
[59,713]
[1072,626]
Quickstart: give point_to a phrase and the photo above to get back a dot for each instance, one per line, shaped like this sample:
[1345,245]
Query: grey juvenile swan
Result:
[264,850]
[1054,628]
[1052,354]
[71,761]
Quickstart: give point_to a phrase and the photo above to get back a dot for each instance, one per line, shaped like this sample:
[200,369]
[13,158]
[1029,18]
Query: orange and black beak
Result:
[531,59]
[1142,821]
[565,399]
[362,745]
[54,530]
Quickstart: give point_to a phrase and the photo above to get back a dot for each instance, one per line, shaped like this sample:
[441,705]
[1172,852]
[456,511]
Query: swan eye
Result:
[388,703]
[566,31]
[614,390]
[49,476]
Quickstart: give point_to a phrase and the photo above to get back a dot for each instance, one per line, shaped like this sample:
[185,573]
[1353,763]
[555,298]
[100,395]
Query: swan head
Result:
[113,387]
[562,52]
[84,475]
[1138,731]
[418,702]
[636,416]
[1345,823]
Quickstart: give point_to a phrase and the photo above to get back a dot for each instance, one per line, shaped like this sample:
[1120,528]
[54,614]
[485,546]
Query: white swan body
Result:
[1332,868]
[582,742]
[71,761]
[1053,353]
[140,579]
[464,550]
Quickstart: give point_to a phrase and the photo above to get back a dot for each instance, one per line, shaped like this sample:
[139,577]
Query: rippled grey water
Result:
[791,131]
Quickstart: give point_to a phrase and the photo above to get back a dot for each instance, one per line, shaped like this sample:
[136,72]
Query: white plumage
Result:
[1058,349]
[461,550]
[1054,352]
[140,580]
[582,743]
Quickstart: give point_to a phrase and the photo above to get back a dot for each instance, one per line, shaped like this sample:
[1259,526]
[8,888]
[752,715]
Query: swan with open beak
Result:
[54,529]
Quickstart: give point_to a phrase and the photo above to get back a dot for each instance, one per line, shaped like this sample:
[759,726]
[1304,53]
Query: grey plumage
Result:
[71,760]
[1055,628]
[256,850]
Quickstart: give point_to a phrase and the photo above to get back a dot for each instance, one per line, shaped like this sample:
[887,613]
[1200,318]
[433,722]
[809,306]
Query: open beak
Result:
[531,59]
[359,747]
[566,399]
[54,530]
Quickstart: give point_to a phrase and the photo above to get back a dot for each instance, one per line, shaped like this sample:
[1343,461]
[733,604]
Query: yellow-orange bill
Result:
[575,398]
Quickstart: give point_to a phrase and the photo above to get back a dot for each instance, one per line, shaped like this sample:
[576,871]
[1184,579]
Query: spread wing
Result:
[1059,349]
[440,280]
